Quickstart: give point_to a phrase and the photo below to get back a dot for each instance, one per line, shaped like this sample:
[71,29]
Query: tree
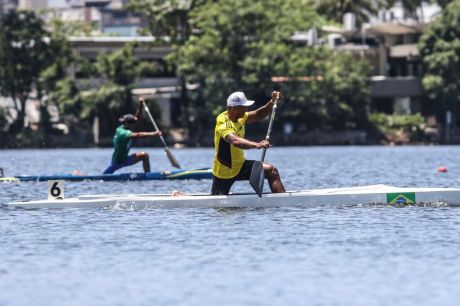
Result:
[443,3]
[3,120]
[73,27]
[243,44]
[115,74]
[335,9]
[440,50]
[49,78]
[24,54]
[410,7]
[169,20]
[326,90]
[238,46]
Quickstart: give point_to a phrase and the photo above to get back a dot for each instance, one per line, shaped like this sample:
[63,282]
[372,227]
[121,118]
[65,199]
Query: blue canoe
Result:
[190,174]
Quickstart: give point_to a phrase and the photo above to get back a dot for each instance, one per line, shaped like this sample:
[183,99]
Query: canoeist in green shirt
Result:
[122,143]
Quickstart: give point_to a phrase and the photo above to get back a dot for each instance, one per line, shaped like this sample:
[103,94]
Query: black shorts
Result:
[222,186]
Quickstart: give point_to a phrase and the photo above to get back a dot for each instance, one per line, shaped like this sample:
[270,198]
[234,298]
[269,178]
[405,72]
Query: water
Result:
[373,255]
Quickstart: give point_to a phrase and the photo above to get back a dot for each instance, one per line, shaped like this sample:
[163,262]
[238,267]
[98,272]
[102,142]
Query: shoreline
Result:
[314,138]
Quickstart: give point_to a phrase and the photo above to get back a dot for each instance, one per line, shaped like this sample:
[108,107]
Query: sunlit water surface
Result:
[363,255]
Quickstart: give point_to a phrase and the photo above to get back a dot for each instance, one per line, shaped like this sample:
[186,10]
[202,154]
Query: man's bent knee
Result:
[268,168]
[271,172]
[142,155]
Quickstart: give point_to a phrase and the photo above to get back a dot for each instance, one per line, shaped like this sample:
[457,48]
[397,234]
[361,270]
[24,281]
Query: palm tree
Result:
[335,9]
[410,6]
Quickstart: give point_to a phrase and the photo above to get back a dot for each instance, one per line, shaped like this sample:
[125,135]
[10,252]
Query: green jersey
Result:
[121,144]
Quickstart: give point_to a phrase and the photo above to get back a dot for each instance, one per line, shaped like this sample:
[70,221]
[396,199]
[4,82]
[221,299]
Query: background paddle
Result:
[170,156]
[257,174]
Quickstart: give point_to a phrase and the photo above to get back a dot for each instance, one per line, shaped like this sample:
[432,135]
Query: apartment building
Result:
[389,42]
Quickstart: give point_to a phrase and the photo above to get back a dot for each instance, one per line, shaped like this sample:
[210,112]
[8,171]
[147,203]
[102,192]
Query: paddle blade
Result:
[172,159]
[257,178]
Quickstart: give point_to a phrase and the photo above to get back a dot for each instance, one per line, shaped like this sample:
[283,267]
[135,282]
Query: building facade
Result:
[389,42]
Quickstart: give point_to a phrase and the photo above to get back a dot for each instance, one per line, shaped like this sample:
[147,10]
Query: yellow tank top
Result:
[228,159]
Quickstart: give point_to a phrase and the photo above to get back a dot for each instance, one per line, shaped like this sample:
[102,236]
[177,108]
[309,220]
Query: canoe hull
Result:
[195,174]
[380,194]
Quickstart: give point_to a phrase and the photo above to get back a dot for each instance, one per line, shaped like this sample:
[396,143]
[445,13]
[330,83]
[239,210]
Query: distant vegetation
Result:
[440,50]
[219,47]
[398,129]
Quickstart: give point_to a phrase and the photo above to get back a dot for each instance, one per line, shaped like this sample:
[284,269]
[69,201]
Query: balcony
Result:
[393,87]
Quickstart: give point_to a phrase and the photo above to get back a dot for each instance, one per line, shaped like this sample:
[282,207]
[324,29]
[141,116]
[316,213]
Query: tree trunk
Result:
[128,107]
[184,103]
[23,101]
[16,104]
[18,124]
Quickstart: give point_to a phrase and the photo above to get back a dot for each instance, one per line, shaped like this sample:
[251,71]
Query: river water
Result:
[363,255]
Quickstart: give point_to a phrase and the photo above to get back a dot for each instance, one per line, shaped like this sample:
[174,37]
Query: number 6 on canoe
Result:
[170,156]
[257,173]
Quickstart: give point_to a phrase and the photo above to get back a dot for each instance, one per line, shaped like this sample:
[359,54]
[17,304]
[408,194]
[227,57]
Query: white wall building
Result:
[32,4]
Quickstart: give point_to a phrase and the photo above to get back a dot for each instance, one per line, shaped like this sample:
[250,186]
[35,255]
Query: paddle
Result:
[257,173]
[170,156]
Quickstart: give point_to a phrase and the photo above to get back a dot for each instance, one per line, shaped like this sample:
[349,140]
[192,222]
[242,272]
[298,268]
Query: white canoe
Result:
[380,194]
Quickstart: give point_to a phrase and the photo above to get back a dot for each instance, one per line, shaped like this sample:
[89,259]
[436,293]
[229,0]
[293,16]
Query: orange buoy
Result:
[442,169]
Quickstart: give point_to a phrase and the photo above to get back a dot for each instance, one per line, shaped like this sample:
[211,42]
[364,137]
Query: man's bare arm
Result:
[140,108]
[244,143]
[260,113]
[145,134]
[264,111]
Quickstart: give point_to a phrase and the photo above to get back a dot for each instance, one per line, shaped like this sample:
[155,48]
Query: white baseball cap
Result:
[238,99]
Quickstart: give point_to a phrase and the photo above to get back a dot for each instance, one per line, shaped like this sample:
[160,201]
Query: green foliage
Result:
[410,6]
[399,129]
[3,119]
[440,51]
[66,95]
[443,3]
[242,44]
[64,56]
[26,50]
[57,71]
[115,74]
[107,100]
[335,9]
[121,67]
[118,71]
[167,18]
[385,123]
[73,27]
[327,90]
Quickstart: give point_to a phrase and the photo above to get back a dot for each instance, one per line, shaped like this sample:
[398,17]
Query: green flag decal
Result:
[401,198]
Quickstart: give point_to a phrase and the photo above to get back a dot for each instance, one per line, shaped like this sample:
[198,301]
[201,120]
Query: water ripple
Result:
[356,255]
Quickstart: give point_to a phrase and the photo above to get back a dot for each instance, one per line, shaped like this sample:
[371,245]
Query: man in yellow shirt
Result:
[229,163]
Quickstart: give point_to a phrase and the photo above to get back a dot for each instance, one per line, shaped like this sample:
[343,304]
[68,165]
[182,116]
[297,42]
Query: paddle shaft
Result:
[256,180]
[170,156]
[270,125]
[155,125]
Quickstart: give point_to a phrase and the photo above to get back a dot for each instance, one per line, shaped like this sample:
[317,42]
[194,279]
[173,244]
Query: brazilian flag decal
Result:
[401,198]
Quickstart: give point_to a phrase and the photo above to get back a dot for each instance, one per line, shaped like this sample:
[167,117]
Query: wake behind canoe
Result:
[380,194]
[190,174]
